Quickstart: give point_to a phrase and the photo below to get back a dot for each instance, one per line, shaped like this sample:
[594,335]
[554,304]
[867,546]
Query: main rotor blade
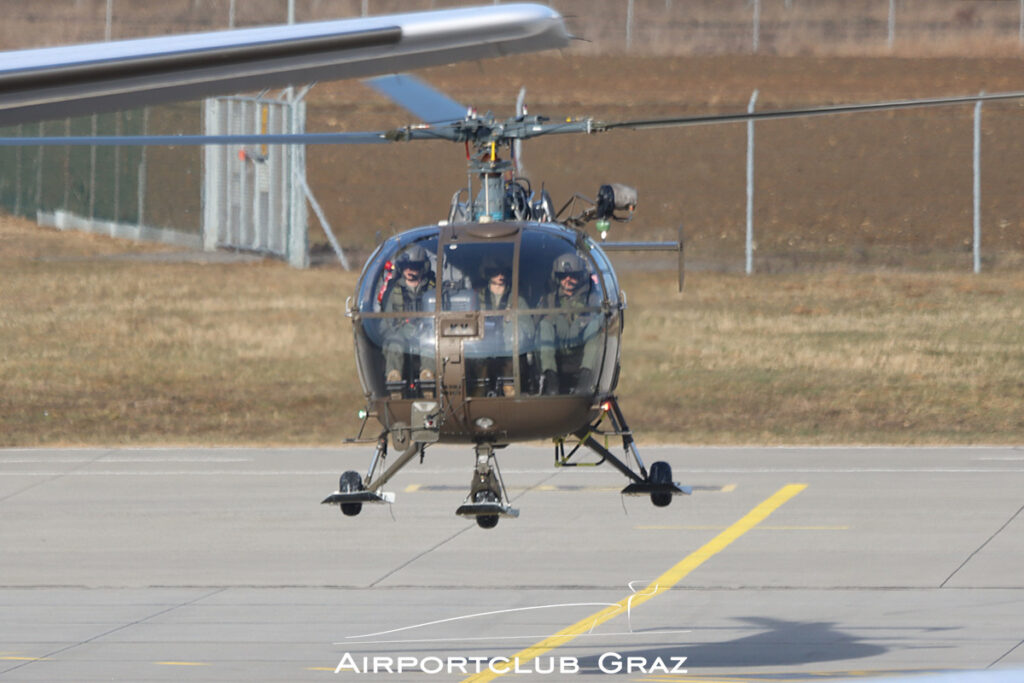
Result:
[797,113]
[56,82]
[417,97]
[360,138]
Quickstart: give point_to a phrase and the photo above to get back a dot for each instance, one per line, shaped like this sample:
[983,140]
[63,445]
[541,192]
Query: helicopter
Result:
[500,323]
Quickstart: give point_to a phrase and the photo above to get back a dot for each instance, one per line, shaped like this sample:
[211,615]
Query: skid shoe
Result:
[487,500]
[352,493]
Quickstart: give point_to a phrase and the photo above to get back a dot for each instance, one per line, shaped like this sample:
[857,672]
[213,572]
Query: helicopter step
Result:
[487,500]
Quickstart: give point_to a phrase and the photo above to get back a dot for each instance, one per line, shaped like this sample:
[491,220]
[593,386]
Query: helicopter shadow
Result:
[779,643]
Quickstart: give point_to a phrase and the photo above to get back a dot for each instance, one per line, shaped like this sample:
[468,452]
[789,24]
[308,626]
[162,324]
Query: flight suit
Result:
[498,343]
[570,342]
[412,336]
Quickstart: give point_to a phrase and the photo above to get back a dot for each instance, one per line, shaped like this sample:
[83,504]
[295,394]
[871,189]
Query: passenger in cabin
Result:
[569,339]
[493,374]
[408,342]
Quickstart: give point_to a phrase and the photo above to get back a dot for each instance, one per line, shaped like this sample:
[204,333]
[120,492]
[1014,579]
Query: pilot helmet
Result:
[569,263]
[414,257]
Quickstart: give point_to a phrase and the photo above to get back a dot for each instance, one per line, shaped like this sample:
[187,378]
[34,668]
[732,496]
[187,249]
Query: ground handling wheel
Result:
[348,483]
[661,473]
[486,496]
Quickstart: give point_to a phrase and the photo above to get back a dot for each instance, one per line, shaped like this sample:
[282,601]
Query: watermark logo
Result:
[607,663]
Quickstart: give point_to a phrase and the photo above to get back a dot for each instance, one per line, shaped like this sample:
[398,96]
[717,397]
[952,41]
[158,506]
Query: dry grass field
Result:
[110,343]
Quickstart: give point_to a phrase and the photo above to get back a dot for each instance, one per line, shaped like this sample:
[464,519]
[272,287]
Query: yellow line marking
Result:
[791,677]
[728,488]
[656,587]
[23,659]
[691,679]
[182,664]
[411,488]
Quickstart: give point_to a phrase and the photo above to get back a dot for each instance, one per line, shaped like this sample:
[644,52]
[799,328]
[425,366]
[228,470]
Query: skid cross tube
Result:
[586,437]
[588,440]
[398,464]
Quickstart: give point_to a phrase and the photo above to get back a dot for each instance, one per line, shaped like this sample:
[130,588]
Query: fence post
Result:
[39,172]
[118,130]
[750,185]
[977,186]
[680,237]
[757,26]
[92,169]
[18,156]
[629,25]
[892,24]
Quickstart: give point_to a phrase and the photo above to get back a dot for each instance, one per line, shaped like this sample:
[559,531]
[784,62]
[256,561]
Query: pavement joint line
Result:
[660,585]
[453,536]
[980,547]
[1005,655]
[116,629]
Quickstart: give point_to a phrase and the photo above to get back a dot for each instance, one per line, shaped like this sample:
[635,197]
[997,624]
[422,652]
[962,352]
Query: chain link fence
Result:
[126,189]
[115,190]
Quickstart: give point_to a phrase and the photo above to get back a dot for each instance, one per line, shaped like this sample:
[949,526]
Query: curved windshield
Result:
[518,314]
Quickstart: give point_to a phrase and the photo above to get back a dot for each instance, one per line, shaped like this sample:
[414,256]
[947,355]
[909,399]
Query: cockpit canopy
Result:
[533,309]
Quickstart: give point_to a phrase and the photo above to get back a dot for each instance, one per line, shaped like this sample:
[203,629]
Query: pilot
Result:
[496,366]
[408,292]
[569,341]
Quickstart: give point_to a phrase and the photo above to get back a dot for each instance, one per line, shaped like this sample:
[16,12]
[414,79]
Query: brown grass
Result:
[834,358]
[103,349]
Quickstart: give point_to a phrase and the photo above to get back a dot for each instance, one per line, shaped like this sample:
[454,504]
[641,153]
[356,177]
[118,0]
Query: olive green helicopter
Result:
[500,323]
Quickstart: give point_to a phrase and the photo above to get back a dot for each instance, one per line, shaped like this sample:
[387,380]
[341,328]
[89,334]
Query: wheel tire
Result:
[486,496]
[661,473]
[350,481]
[487,521]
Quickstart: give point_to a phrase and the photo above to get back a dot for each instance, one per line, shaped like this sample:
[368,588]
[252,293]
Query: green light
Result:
[362,414]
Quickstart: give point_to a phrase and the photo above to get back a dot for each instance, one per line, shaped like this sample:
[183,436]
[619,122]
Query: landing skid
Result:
[352,493]
[487,500]
[656,483]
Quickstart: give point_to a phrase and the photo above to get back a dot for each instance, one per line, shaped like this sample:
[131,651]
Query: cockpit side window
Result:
[539,253]
[384,270]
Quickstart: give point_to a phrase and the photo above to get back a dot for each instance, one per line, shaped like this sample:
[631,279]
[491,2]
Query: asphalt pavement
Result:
[786,564]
